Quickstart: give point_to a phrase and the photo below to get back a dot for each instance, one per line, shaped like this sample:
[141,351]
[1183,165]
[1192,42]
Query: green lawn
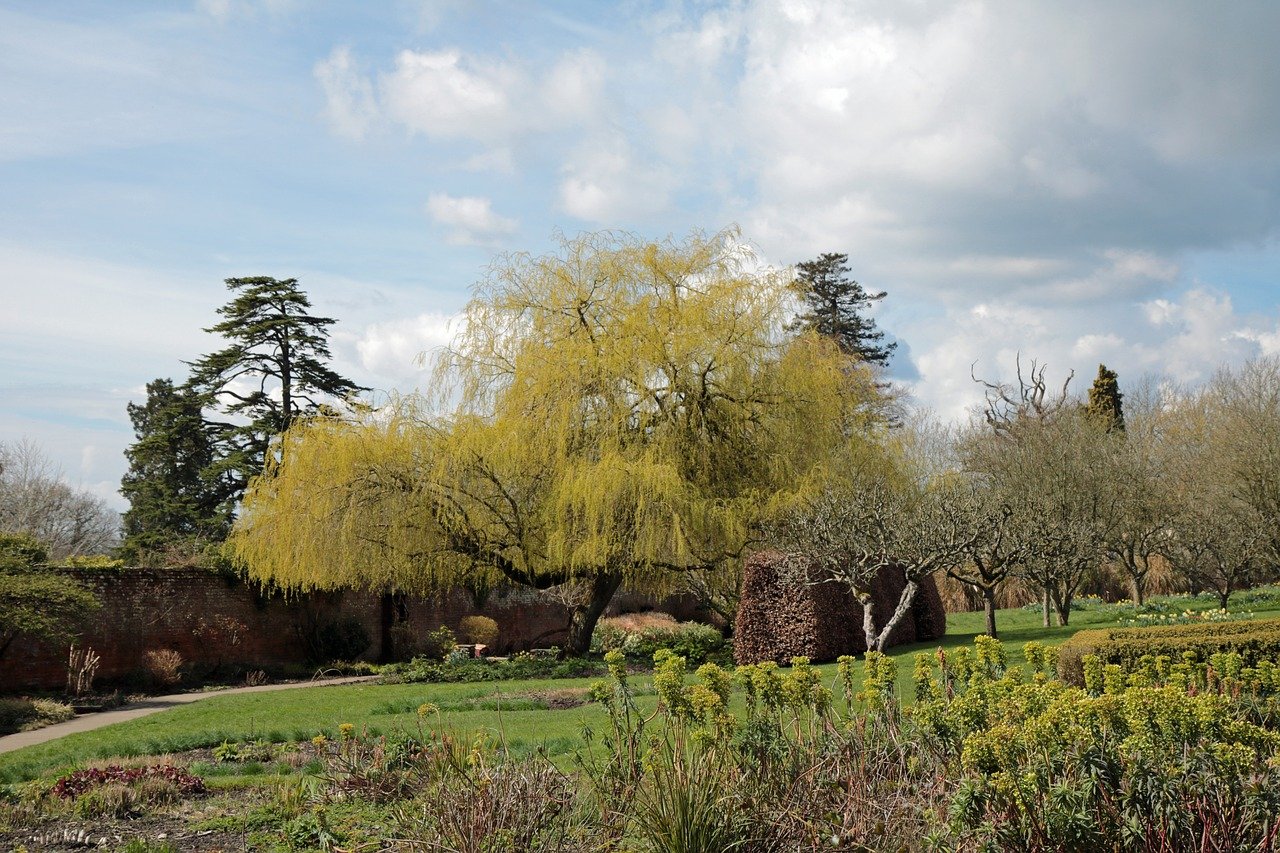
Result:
[500,707]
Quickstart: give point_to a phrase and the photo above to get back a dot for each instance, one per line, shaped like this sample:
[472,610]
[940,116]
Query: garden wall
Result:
[215,620]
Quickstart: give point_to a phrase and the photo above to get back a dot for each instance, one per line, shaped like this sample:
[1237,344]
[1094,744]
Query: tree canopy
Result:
[1105,399]
[835,306]
[624,410]
[273,369]
[169,497]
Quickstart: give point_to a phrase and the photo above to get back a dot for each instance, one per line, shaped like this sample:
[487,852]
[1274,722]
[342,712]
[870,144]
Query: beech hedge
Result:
[786,610]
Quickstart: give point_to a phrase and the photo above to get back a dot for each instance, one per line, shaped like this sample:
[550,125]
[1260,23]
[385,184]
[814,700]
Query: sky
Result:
[1079,183]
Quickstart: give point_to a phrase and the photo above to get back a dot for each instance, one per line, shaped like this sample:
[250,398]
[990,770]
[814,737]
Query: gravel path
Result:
[150,705]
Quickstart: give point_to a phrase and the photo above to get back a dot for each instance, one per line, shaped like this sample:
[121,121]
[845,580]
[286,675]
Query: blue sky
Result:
[1074,182]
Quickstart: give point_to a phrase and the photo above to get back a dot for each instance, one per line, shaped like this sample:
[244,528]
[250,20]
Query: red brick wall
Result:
[146,609]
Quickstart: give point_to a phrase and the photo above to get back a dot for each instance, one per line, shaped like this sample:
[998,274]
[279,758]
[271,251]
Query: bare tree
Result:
[997,545]
[36,501]
[1218,548]
[853,534]
[1142,470]
[1008,404]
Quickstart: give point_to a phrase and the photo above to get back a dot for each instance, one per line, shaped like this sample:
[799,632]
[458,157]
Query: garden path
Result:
[150,705]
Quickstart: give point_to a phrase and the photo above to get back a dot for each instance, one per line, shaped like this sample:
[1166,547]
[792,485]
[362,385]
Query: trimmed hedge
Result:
[1254,641]
[786,610]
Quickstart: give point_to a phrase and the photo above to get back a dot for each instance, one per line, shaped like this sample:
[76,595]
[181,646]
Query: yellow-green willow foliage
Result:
[625,410]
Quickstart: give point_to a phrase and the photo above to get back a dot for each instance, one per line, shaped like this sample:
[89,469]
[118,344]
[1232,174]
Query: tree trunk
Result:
[868,602]
[1047,611]
[1139,584]
[585,615]
[905,601]
[1223,595]
[989,605]
[1062,606]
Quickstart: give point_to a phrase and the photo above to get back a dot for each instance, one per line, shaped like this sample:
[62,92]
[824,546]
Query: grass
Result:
[510,710]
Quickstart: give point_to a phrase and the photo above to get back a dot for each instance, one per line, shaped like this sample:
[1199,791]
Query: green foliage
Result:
[170,499]
[438,644]
[479,629]
[276,344]
[42,604]
[693,641]
[516,667]
[96,561]
[17,715]
[1254,640]
[1104,399]
[21,551]
[836,305]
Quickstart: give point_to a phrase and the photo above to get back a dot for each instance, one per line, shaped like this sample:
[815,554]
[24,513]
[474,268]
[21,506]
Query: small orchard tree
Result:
[1142,473]
[626,411]
[1219,548]
[877,522]
[1048,457]
[997,544]
[1242,442]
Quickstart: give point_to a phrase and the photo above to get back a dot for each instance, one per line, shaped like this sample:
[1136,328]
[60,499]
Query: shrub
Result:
[787,610]
[1254,641]
[163,666]
[437,644]
[694,641]
[341,639]
[97,561]
[521,666]
[17,715]
[480,630]
[76,783]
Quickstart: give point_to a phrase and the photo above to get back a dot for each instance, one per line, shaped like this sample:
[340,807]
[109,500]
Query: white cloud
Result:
[452,94]
[392,350]
[446,94]
[1183,338]
[604,183]
[349,101]
[470,219]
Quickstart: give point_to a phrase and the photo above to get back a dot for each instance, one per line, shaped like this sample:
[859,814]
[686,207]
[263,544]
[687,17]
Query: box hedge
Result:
[1254,641]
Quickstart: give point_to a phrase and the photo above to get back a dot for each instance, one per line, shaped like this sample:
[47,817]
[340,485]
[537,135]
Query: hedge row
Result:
[1254,641]
[786,610]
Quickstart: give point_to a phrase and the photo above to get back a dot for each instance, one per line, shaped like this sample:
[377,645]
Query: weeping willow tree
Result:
[622,412]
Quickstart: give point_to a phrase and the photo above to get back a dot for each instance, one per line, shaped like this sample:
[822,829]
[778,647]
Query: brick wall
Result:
[188,610]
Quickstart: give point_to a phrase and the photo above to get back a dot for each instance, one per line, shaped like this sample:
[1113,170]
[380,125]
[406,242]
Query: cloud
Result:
[224,11]
[447,94]
[1183,338]
[471,219]
[349,100]
[457,95]
[605,183]
[392,350]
